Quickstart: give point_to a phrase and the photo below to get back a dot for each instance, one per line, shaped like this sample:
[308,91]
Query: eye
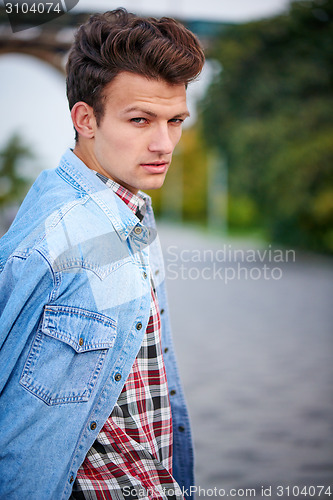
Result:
[176,121]
[139,120]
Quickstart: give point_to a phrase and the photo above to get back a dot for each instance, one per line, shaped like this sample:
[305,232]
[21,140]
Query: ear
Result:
[83,119]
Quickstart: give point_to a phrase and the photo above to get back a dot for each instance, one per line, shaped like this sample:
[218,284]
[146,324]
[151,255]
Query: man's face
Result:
[141,125]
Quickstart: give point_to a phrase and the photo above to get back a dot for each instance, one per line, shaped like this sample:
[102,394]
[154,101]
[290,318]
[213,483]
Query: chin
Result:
[154,182]
[154,185]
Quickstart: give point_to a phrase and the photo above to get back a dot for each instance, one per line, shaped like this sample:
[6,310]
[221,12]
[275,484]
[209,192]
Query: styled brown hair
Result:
[117,41]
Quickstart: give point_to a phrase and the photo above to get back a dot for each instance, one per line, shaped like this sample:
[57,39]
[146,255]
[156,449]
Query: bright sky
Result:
[223,10]
[32,94]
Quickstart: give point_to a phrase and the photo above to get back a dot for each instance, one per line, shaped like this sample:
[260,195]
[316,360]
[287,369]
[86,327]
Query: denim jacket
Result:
[74,305]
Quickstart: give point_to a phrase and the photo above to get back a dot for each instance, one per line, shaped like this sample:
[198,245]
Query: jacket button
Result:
[145,275]
[173,392]
[117,377]
[71,480]
[81,341]
[166,349]
[139,326]
[137,230]
[162,311]
[181,428]
[93,426]
[156,272]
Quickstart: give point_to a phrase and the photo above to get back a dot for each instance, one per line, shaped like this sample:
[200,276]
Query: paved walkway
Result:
[255,351]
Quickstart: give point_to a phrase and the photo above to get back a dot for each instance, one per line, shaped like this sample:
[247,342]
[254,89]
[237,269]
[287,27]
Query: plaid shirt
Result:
[132,455]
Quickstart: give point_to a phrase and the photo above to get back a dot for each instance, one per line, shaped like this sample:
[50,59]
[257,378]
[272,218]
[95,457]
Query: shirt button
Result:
[156,272]
[117,377]
[162,311]
[181,428]
[138,230]
[145,275]
[173,392]
[93,426]
[139,326]
[81,341]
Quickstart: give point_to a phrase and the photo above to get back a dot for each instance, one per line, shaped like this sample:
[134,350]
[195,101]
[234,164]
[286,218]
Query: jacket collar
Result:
[74,171]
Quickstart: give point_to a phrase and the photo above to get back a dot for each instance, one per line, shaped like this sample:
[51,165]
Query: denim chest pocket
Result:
[67,354]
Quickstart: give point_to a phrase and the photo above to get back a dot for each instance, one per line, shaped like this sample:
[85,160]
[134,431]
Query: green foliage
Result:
[242,211]
[270,112]
[194,176]
[13,185]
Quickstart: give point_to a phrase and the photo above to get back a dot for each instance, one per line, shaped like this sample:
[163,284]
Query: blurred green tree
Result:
[270,112]
[13,185]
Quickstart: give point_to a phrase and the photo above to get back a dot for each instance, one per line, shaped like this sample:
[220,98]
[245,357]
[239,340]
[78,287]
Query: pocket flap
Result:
[81,329]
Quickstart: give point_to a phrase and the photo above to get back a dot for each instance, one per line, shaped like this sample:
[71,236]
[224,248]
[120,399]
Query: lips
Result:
[158,167]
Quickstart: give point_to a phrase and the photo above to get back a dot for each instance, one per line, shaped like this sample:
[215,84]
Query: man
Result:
[88,374]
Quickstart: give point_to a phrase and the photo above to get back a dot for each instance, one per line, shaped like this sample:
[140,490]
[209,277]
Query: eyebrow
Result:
[184,114]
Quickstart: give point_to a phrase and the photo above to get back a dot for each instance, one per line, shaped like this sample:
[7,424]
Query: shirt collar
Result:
[136,202]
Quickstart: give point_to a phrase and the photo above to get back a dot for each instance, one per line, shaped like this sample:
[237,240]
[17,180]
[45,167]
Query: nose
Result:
[161,140]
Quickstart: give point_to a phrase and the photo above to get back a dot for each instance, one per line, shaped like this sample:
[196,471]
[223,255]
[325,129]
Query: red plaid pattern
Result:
[132,455]
[135,202]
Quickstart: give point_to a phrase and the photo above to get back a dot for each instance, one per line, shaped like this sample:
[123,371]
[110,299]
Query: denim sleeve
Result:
[26,285]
